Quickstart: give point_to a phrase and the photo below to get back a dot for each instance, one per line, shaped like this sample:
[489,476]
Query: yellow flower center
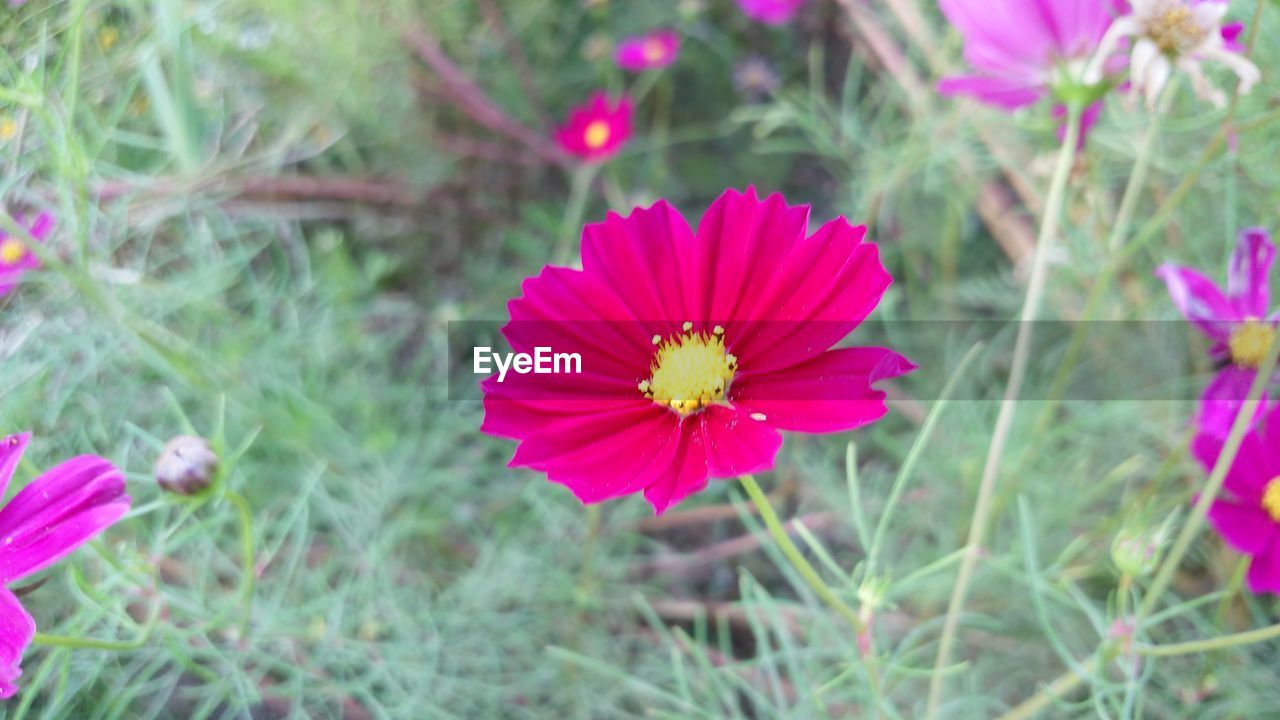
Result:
[690,371]
[8,128]
[597,134]
[654,50]
[1271,499]
[1174,29]
[1250,342]
[11,251]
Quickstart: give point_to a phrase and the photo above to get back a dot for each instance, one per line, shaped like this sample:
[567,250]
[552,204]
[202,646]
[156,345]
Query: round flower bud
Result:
[1136,550]
[186,466]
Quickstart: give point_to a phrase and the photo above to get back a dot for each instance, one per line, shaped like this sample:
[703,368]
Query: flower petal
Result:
[1249,474]
[11,449]
[830,393]
[16,630]
[825,288]
[1264,570]
[1200,301]
[735,443]
[1247,528]
[1002,92]
[1223,399]
[1249,280]
[57,513]
[686,475]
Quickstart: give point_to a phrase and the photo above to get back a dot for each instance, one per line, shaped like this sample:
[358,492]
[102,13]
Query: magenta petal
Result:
[635,257]
[686,475]
[1005,93]
[1231,33]
[1264,570]
[736,444]
[1249,474]
[1223,399]
[1249,281]
[11,449]
[16,630]
[1248,529]
[1200,301]
[58,512]
[830,393]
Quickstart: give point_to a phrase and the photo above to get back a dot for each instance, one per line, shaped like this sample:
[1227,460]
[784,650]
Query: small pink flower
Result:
[771,12]
[47,520]
[697,348]
[1023,49]
[16,258]
[657,49]
[1249,518]
[1239,321]
[597,130]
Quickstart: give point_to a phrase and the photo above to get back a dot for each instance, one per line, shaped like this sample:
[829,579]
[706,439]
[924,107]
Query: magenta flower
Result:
[1022,50]
[47,520]
[1237,322]
[697,348]
[597,130]
[655,50]
[1249,520]
[15,258]
[771,12]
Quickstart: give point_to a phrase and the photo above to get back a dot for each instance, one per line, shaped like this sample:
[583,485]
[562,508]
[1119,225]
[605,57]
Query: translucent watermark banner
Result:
[1094,361]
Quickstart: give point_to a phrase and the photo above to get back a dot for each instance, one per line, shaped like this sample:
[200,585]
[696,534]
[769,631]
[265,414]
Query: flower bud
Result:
[1137,549]
[186,466]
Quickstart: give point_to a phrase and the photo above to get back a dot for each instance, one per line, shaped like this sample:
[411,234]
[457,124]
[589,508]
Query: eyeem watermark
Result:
[543,361]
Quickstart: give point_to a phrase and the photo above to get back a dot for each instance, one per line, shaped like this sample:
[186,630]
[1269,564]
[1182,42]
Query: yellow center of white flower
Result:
[11,251]
[1271,499]
[597,134]
[654,50]
[690,371]
[1173,29]
[1250,342]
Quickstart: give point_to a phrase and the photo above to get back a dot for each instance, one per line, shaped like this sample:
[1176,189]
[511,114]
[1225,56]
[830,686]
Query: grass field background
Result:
[269,212]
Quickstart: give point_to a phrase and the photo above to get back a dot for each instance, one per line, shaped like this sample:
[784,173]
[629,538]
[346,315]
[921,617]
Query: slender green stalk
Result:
[814,580]
[1004,421]
[1217,643]
[1064,684]
[579,189]
[913,458]
[249,571]
[1226,458]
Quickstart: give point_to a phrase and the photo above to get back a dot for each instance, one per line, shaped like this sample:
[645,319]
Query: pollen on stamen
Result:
[690,371]
[1250,342]
[687,326]
[1271,499]
[11,251]
[759,417]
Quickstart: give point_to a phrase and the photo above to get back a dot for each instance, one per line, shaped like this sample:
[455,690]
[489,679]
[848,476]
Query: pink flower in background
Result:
[1249,520]
[1020,49]
[697,348]
[654,50]
[47,520]
[771,12]
[1239,321]
[597,130]
[1183,35]
[16,258]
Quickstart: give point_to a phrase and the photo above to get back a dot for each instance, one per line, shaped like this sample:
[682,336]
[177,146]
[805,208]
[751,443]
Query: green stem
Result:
[248,570]
[579,188]
[1064,684]
[1004,421]
[1119,230]
[1226,458]
[814,580]
[1218,643]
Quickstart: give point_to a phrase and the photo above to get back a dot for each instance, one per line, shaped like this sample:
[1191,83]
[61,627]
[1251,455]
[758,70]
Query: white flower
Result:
[1169,34]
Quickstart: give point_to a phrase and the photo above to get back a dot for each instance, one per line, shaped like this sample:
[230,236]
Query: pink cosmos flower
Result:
[15,258]
[597,130]
[47,520]
[1237,321]
[697,348]
[1249,520]
[771,12]
[1023,49]
[657,49]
